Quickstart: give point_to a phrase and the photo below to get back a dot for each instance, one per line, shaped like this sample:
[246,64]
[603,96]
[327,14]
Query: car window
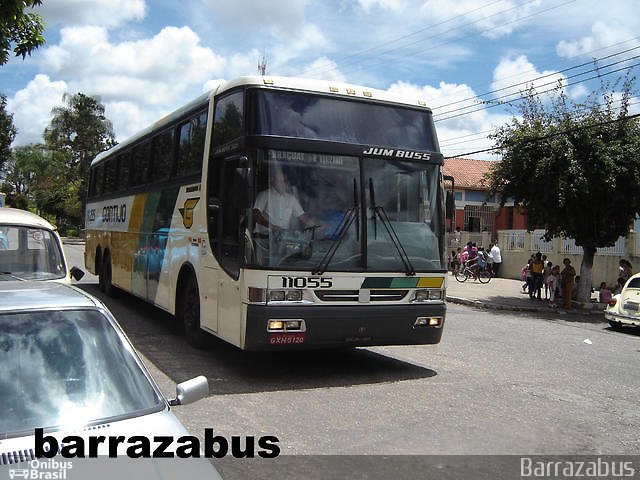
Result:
[634,283]
[67,368]
[30,253]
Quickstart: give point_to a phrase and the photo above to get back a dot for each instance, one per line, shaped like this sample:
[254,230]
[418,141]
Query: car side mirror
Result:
[76,273]
[190,391]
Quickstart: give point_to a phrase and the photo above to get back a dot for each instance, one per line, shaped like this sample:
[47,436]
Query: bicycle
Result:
[481,274]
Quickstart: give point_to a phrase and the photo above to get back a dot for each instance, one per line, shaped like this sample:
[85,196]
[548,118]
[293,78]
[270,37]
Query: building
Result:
[475,212]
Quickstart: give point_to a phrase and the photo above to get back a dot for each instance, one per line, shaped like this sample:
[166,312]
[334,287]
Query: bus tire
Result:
[105,277]
[190,313]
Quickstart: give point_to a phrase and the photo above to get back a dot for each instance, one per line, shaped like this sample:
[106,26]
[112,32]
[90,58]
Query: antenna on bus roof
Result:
[262,66]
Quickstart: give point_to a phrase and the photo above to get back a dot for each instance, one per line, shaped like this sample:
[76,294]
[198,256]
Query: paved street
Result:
[501,382]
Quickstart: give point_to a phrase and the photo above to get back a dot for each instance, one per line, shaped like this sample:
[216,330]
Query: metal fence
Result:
[516,240]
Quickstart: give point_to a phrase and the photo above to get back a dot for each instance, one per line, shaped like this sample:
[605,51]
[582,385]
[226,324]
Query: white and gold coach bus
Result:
[173,216]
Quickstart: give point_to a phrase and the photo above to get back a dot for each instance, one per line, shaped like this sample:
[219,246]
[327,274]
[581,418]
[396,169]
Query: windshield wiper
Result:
[378,212]
[349,216]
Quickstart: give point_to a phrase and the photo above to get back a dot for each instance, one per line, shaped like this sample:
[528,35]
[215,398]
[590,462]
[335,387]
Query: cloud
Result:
[151,71]
[393,5]
[467,129]
[285,16]
[106,13]
[515,75]
[604,39]
[493,20]
[323,68]
[31,107]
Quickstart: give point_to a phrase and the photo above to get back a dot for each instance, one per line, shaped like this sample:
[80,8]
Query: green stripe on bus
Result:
[390,282]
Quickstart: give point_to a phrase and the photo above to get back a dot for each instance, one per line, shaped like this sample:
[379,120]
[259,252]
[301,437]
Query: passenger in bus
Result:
[276,208]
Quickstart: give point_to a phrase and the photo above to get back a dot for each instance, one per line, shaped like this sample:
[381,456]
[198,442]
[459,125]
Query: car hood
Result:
[18,453]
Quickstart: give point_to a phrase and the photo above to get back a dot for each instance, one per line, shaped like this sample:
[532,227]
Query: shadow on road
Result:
[230,370]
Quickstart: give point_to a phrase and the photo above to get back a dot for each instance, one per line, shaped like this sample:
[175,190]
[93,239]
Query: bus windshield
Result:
[289,114]
[312,212]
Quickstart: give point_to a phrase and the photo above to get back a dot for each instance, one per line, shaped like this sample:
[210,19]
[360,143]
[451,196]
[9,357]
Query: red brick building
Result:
[475,212]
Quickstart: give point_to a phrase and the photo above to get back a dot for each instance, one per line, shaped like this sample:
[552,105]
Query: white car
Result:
[624,308]
[31,249]
[69,374]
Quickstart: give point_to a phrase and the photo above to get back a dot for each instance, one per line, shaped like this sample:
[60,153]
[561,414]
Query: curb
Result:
[515,308]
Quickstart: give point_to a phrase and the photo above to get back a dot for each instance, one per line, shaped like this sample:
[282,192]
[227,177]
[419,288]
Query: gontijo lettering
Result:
[114,213]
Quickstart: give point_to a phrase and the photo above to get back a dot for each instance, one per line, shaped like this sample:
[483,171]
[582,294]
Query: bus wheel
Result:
[105,277]
[190,314]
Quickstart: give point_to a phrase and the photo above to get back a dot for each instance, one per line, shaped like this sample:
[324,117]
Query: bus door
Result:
[228,194]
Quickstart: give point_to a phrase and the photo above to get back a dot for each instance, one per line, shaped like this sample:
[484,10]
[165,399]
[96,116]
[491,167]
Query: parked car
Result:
[68,368]
[624,308]
[31,249]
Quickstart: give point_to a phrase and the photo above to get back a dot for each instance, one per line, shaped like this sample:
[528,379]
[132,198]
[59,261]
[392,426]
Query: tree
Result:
[7,131]
[21,30]
[575,167]
[78,132]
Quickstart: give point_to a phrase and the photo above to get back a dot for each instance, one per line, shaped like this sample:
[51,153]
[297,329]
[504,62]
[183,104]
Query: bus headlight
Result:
[425,295]
[285,295]
[286,325]
[433,322]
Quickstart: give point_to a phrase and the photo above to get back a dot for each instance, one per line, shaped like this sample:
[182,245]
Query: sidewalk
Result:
[506,294]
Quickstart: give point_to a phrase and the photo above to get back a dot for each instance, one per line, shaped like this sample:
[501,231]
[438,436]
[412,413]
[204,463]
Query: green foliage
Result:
[7,131]
[575,167]
[38,176]
[20,29]
[77,133]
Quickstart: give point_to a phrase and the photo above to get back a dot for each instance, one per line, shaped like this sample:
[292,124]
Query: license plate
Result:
[631,306]
[286,338]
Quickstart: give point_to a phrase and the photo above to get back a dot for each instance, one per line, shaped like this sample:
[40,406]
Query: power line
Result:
[541,77]
[521,96]
[453,29]
[398,39]
[446,145]
[555,134]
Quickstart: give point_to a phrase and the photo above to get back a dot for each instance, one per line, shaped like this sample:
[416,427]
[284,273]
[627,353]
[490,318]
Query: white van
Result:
[31,249]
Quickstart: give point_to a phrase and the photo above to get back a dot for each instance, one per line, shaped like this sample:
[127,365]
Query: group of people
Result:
[539,273]
[477,258]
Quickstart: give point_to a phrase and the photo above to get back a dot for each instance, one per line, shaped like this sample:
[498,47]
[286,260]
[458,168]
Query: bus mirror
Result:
[450,205]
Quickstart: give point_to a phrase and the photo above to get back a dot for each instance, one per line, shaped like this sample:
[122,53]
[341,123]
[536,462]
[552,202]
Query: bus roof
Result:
[282,83]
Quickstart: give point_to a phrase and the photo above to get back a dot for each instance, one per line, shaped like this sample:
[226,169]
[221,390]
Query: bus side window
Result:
[140,164]
[191,144]
[124,159]
[162,155]
[228,119]
[110,176]
[99,180]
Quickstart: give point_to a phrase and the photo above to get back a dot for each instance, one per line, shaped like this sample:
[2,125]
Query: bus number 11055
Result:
[307,282]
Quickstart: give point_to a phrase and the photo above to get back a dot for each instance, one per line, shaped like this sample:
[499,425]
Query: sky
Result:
[465,58]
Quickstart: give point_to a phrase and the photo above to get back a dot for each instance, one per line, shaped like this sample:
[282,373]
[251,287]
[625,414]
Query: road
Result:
[499,383]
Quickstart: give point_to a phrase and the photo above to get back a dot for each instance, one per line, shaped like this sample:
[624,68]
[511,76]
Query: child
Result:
[552,284]
[545,277]
[604,296]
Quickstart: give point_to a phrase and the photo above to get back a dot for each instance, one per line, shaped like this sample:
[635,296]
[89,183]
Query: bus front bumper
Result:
[330,326]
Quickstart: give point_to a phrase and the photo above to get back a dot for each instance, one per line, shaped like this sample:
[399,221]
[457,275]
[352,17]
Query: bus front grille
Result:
[353,295]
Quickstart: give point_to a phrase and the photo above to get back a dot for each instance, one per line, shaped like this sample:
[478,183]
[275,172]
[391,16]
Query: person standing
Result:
[496,258]
[567,277]
[537,267]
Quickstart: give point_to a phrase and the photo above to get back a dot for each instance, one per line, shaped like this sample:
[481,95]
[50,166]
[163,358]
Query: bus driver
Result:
[275,208]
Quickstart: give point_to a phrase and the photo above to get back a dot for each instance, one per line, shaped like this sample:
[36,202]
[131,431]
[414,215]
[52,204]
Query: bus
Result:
[174,217]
